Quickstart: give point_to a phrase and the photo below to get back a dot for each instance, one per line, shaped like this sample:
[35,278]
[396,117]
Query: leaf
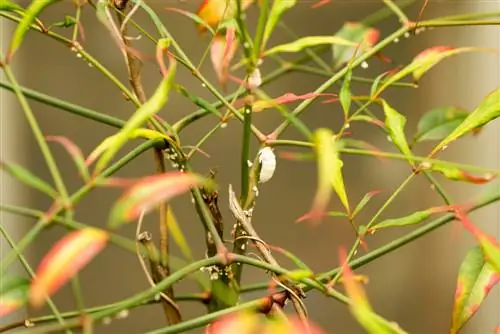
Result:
[307,42]
[487,110]
[141,116]
[284,99]
[299,274]
[395,124]
[488,244]
[360,306]
[422,63]
[150,191]
[75,153]
[9,6]
[412,219]
[222,52]
[455,174]
[111,140]
[356,33]
[26,177]
[277,10]
[368,196]
[329,173]
[202,24]
[475,280]
[13,294]
[177,235]
[345,95]
[214,12]
[439,123]
[67,257]
[31,13]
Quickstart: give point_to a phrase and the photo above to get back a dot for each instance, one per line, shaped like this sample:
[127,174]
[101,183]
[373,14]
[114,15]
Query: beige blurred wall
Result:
[413,286]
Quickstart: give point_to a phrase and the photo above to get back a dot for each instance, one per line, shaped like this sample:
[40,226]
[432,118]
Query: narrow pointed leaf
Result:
[31,13]
[412,219]
[140,117]
[475,280]
[277,10]
[150,191]
[111,141]
[364,201]
[201,23]
[26,177]
[284,99]
[307,42]
[75,152]
[395,124]
[329,173]
[422,63]
[488,110]
[345,95]
[179,238]
[439,123]
[13,294]
[360,306]
[356,33]
[455,174]
[488,244]
[222,52]
[67,257]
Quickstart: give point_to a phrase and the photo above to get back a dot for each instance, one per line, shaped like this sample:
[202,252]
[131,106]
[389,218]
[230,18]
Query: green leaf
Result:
[9,6]
[176,232]
[364,201]
[277,10]
[329,172]
[475,280]
[356,33]
[307,42]
[141,116]
[345,95]
[455,174]
[31,13]
[299,274]
[26,177]
[13,294]
[360,306]
[376,83]
[439,123]
[75,152]
[488,110]
[395,124]
[149,191]
[422,63]
[412,219]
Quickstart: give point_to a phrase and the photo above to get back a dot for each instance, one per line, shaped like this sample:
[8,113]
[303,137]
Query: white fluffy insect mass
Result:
[267,160]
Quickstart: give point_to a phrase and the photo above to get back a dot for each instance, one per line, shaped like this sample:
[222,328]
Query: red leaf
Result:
[68,256]
[284,99]
[222,52]
[9,305]
[150,191]
[320,3]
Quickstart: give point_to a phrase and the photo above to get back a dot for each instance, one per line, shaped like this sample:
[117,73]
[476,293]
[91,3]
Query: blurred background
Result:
[413,286]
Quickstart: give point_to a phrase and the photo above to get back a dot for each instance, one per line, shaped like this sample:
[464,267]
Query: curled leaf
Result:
[455,174]
[307,42]
[150,191]
[439,123]
[476,278]
[68,256]
[357,33]
[488,110]
[26,177]
[222,52]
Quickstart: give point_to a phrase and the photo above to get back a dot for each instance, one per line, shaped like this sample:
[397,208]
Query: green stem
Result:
[67,106]
[37,132]
[396,10]
[441,24]
[31,273]
[261,27]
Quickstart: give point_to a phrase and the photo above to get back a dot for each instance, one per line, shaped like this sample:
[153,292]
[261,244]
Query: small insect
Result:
[267,161]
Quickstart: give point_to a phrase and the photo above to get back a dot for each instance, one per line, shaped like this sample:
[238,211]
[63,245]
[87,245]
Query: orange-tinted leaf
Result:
[13,294]
[320,3]
[475,280]
[214,12]
[357,33]
[359,305]
[489,246]
[455,174]
[150,191]
[68,256]
[284,99]
[75,153]
[243,322]
[222,52]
